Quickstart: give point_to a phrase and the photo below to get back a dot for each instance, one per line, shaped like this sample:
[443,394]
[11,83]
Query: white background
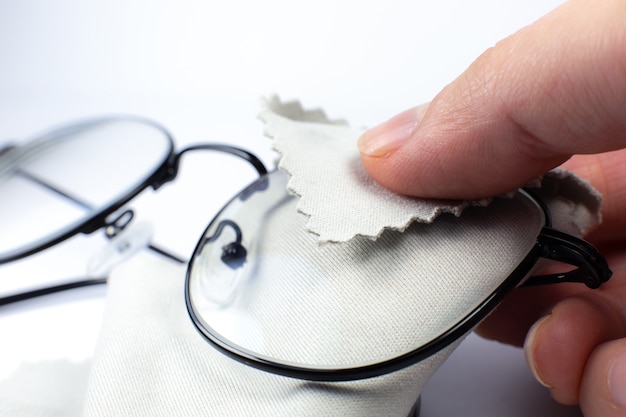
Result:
[199,68]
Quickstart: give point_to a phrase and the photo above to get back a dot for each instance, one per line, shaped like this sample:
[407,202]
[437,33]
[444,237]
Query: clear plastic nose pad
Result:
[221,276]
[121,247]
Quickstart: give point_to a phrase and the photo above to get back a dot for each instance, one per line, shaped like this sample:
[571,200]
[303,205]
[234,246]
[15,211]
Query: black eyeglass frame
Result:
[591,269]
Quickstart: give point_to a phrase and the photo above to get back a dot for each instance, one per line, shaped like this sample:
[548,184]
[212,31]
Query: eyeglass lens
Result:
[326,306]
[56,182]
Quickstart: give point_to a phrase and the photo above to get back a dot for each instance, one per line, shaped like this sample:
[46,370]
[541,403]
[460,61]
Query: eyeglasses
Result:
[78,179]
[261,289]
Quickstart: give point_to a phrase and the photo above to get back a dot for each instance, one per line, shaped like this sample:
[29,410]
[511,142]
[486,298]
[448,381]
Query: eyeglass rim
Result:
[444,339]
[96,219]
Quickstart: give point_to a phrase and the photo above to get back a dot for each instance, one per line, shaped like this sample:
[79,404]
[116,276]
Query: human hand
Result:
[554,89]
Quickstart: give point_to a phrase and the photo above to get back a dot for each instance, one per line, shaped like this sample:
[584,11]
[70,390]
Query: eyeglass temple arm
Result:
[6,148]
[592,269]
[174,163]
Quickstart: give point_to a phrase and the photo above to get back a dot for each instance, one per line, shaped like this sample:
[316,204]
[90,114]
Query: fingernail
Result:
[390,135]
[529,350]
[617,380]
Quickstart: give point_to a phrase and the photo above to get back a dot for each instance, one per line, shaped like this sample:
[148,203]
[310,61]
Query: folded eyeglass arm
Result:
[592,269]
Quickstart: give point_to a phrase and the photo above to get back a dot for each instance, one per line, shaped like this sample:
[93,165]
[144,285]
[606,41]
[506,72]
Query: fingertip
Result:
[381,149]
[558,346]
[530,349]
[603,387]
[435,151]
[385,171]
[388,136]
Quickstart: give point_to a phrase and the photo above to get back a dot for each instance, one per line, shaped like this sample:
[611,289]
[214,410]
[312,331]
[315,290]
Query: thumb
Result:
[554,89]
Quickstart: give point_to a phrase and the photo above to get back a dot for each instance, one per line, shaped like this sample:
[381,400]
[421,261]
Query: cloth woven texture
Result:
[152,362]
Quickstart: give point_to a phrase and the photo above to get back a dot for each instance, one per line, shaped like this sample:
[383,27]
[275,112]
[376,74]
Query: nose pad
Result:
[219,281]
[234,255]
[222,277]
[126,243]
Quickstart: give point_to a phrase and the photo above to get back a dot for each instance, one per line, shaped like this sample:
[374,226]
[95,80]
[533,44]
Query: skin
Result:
[552,94]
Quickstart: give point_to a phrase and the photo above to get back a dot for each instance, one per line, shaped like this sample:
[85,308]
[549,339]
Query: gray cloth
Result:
[336,193]
[152,362]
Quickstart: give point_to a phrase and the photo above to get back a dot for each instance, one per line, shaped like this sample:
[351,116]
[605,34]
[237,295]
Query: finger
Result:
[559,346]
[510,321]
[554,89]
[607,173]
[603,388]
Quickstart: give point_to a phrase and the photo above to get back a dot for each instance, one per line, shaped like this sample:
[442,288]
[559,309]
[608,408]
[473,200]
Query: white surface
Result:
[199,68]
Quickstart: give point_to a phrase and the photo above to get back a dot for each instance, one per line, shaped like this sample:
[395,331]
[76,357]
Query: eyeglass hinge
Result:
[592,269]
[169,172]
